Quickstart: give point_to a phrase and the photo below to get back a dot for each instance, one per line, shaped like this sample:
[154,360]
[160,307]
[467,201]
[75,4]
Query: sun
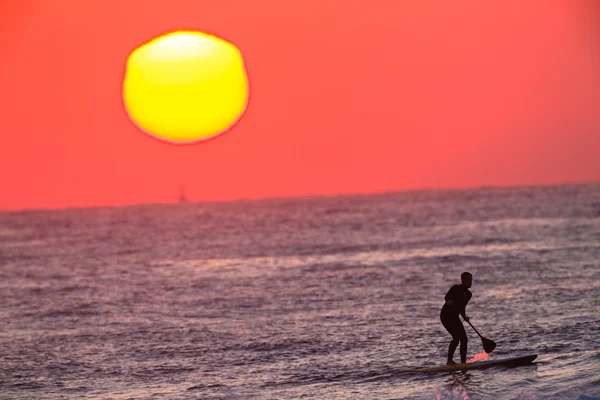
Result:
[185,86]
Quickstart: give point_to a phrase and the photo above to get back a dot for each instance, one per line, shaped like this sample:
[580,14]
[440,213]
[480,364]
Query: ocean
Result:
[302,298]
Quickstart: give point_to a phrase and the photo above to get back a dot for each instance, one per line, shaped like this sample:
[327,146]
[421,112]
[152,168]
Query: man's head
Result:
[466,279]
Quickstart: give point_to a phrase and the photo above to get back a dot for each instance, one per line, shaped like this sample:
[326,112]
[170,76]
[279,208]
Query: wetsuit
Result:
[449,317]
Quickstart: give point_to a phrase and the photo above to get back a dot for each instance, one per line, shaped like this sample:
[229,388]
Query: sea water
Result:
[316,297]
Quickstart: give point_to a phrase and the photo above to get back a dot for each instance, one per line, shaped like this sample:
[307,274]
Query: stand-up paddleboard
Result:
[507,362]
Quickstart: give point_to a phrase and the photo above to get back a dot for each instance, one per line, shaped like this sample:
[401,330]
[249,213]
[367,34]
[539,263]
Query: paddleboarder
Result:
[456,302]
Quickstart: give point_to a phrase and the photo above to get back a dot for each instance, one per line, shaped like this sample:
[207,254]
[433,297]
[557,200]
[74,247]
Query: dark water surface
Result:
[324,298]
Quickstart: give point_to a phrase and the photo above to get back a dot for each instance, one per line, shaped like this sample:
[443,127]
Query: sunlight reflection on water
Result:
[483,356]
[451,394]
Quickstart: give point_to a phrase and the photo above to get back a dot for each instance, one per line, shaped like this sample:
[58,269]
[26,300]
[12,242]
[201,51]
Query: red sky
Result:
[346,97]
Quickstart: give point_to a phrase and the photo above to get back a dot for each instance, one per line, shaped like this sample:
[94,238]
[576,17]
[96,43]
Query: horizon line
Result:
[304,196]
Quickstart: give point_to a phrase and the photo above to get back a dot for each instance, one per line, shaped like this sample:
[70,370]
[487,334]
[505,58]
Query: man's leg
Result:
[451,326]
[451,350]
[462,335]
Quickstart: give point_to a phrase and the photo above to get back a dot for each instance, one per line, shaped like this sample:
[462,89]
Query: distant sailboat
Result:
[182,198]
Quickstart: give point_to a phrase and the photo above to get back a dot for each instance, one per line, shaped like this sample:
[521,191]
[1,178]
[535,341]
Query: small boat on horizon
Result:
[182,198]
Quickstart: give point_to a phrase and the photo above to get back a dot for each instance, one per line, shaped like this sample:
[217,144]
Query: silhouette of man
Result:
[456,301]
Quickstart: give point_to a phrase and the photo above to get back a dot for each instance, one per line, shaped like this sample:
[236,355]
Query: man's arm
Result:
[450,296]
[453,293]
[463,312]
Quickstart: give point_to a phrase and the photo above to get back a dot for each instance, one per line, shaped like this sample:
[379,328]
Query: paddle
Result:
[488,345]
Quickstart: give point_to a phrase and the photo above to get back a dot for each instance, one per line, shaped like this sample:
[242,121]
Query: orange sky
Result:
[346,96]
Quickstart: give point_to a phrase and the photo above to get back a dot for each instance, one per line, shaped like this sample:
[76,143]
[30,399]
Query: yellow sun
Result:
[185,86]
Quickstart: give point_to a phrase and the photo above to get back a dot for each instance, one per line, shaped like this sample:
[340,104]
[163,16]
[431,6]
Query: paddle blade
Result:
[488,345]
